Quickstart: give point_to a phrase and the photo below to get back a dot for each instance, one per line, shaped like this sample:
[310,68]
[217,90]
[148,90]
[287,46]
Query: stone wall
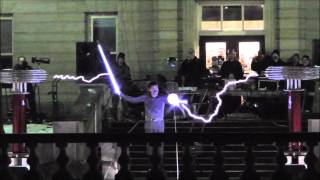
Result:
[298,26]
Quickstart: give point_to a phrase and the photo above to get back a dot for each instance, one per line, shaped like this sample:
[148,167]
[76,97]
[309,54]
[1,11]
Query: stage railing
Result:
[186,140]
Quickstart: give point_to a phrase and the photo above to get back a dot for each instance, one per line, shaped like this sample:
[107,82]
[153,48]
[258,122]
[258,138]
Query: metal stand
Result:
[19,118]
[177,148]
[294,115]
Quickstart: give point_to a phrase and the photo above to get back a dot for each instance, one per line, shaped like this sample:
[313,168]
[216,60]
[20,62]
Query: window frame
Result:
[258,3]
[8,17]
[93,16]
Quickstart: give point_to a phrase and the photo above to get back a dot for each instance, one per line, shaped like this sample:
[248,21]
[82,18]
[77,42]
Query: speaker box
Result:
[316,51]
[89,62]
[6,63]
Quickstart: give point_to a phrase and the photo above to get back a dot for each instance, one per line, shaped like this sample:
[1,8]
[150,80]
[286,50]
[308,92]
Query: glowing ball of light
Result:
[173,99]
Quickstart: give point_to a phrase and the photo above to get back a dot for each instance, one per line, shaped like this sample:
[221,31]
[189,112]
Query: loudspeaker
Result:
[6,63]
[316,51]
[89,62]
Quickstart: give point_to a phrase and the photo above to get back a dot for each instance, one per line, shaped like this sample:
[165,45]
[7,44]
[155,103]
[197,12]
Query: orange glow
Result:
[232,25]
[254,25]
[211,25]
[248,50]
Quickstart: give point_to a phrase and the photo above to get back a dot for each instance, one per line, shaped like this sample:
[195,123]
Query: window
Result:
[6,35]
[253,17]
[211,18]
[103,28]
[6,42]
[232,17]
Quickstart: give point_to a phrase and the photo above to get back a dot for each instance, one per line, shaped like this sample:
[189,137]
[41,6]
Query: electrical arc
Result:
[82,78]
[181,103]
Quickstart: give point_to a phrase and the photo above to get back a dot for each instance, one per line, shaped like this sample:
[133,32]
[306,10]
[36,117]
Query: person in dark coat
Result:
[308,86]
[276,61]
[294,60]
[258,63]
[191,70]
[231,69]
[123,75]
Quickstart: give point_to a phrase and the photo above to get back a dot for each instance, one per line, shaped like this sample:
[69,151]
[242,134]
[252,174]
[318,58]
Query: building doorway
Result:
[246,47]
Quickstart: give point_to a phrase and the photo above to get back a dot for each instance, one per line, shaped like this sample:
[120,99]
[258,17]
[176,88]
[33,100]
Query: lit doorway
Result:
[246,48]
[215,49]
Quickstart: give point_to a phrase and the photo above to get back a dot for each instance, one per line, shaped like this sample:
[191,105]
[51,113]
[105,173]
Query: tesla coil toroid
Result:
[293,75]
[20,78]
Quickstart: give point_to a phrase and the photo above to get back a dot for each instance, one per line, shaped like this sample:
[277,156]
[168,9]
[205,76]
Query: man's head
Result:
[121,59]
[153,89]
[21,59]
[261,53]
[275,56]
[231,56]
[306,61]
[190,54]
[296,58]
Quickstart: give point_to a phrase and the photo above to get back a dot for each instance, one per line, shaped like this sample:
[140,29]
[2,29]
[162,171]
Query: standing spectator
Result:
[306,61]
[191,70]
[308,86]
[122,70]
[276,61]
[122,73]
[294,60]
[258,62]
[231,69]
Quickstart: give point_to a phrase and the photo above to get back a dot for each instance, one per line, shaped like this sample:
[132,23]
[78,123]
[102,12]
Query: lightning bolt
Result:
[82,78]
[218,97]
